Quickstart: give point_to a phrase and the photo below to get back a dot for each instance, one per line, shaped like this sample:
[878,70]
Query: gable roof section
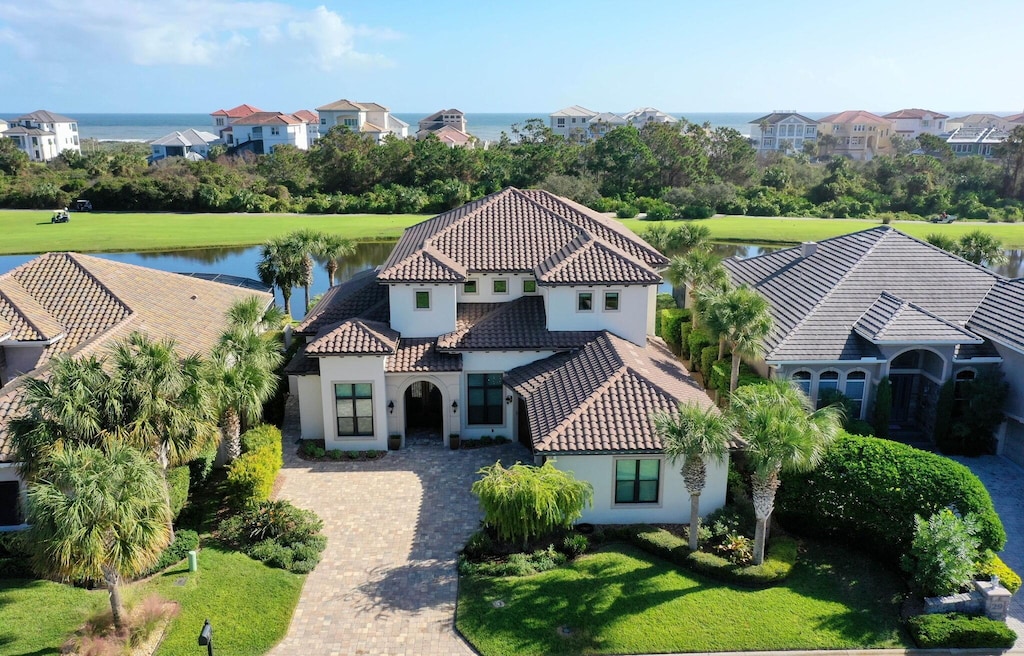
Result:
[420,355]
[190,137]
[268,118]
[354,337]
[854,116]
[359,296]
[775,117]
[43,116]
[342,106]
[585,261]
[519,325]
[574,110]
[1000,315]
[307,116]
[426,265]
[237,112]
[914,113]
[600,398]
[891,320]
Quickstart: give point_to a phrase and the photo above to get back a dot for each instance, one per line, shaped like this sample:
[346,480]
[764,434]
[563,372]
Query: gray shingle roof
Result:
[1001,315]
[891,320]
[43,116]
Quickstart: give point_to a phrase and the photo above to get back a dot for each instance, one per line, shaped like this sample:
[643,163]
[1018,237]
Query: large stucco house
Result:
[523,315]
[69,304]
[369,119]
[42,135]
[857,134]
[851,310]
[784,131]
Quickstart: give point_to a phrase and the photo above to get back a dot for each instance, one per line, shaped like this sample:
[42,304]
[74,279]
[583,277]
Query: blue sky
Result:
[524,56]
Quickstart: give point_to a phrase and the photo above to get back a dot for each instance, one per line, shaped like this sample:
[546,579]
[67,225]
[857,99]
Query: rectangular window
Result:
[611,301]
[469,287]
[275,130]
[585,302]
[351,122]
[355,409]
[323,121]
[529,286]
[220,121]
[423,300]
[560,122]
[637,481]
[500,286]
[484,398]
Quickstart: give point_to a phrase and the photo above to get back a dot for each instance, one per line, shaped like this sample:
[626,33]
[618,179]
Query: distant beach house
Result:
[223,119]
[643,115]
[851,310]
[573,123]
[976,141]
[68,304]
[581,124]
[857,134]
[193,144]
[603,123]
[370,119]
[312,122]
[42,135]
[262,132]
[784,131]
[1004,124]
[448,125]
[523,315]
[911,123]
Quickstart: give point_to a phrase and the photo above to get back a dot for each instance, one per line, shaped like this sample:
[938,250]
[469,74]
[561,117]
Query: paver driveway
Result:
[387,582]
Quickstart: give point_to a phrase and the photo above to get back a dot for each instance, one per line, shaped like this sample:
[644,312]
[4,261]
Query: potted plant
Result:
[394,442]
[454,441]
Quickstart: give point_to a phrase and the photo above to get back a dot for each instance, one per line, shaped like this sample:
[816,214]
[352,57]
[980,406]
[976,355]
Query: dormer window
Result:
[423,300]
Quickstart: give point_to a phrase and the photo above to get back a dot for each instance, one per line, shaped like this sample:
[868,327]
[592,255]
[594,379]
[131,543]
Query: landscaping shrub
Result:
[575,545]
[184,542]
[971,422]
[479,545]
[872,489]
[943,554]
[251,476]
[177,484]
[672,321]
[708,355]
[721,373]
[14,560]
[955,630]
[278,534]
[201,466]
[626,212]
[697,341]
[517,564]
[311,449]
[883,407]
[665,302]
[992,565]
[262,436]
[684,340]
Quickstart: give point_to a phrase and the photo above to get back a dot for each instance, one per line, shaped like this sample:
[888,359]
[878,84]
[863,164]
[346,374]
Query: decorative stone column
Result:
[996,598]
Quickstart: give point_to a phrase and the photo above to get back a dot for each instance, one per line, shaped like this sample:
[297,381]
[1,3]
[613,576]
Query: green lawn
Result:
[37,616]
[622,600]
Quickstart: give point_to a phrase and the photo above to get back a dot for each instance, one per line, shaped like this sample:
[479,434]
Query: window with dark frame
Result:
[354,409]
[500,286]
[584,302]
[423,300]
[529,286]
[485,401]
[855,384]
[469,287]
[637,481]
[611,301]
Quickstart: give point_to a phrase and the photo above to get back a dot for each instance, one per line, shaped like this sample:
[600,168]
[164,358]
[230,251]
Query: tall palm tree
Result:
[333,247]
[783,435]
[281,265]
[698,269]
[242,374]
[252,312]
[309,243]
[98,514]
[741,318]
[696,435]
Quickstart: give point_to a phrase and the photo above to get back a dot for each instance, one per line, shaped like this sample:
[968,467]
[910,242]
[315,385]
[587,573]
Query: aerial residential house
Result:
[851,310]
[980,121]
[911,123]
[1015,119]
[781,130]
[312,122]
[373,120]
[643,115]
[573,123]
[521,314]
[223,119]
[42,135]
[193,144]
[68,304]
[976,141]
[603,123]
[262,132]
[856,134]
[452,137]
[437,120]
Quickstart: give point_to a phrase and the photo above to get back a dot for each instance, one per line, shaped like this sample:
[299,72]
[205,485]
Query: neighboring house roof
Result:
[855,116]
[342,106]
[891,320]
[356,297]
[914,113]
[816,299]
[600,399]
[237,112]
[452,135]
[268,118]
[354,337]
[32,132]
[988,120]
[190,137]
[1000,315]
[438,115]
[650,111]
[93,302]
[1015,118]
[43,116]
[420,355]
[5,329]
[980,135]
[776,117]
[609,118]
[307,116]
[574,110]
[519,325]
[515,230]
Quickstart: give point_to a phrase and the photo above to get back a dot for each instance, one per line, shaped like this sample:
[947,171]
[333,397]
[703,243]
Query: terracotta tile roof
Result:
[427,265]
[600,399]
[25,318]
[356,297]
[517,231]
[237,112]
[421,355]
[892,320]
[354,337]
[97,301]
[307,116]
[370,127]
[268,118]
[449,134]
[5,329]
[302,365]
[914,113]
[855,116]
[518,325]
[585,261]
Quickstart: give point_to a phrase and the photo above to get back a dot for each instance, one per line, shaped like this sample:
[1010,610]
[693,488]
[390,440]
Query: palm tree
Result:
[763,124]
[242,375]
[252,312]
[332,248]
[980,247]
[741,318]
[309,243]
[696,435]
[698,269]
[98,514]
[281,265]
[783,435]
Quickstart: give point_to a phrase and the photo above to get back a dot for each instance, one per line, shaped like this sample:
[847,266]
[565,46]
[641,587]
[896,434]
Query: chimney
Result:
[808,248]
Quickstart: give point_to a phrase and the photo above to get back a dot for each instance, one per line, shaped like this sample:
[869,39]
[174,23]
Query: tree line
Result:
[665,170]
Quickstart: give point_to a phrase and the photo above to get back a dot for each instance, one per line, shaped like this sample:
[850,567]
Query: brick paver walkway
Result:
[387,582]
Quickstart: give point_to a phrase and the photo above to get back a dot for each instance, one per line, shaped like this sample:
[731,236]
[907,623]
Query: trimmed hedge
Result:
[202,465]
[698,339]
[955,630]
[178,484]
[251,476]
[993,565]
[261,436]
[184,542]
[684,340]
[777,565]
[721,375]
[671,323]
[867,490]
[708,356]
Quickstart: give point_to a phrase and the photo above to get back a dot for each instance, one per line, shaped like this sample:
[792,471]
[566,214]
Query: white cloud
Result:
[188,32]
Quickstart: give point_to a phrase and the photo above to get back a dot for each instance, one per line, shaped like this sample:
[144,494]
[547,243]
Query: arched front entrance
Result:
[424,419]
[916,376]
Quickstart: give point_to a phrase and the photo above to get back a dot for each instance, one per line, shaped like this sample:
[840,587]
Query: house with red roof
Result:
[262,132]
[856,134]
[524,315]
[911,123]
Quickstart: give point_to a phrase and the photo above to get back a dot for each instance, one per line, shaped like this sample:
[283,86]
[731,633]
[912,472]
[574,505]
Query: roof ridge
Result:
[24,317]
[502,308]
[902,303]
[564,255]
[73,257]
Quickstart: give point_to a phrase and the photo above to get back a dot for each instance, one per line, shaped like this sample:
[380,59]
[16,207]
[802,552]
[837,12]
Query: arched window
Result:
[828,381]
[803,381]
[908,360]
[855,384]
[963,380]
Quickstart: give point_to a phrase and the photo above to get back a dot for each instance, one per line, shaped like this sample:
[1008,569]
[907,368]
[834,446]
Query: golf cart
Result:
[82,205]
[60,216]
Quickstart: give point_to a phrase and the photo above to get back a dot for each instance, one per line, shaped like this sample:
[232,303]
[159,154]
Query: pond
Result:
[241,261]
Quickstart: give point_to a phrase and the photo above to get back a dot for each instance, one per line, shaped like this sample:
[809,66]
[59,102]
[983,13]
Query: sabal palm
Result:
[332,248]
[281,265]
[309,243]
[782,435]
[699,269]
[252,312]
[98,514]
[697,435]
[741,318]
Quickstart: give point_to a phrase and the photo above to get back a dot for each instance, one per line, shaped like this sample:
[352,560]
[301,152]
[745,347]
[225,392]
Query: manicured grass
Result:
[30,231]
[37,616]
[622,600]
[772,230]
